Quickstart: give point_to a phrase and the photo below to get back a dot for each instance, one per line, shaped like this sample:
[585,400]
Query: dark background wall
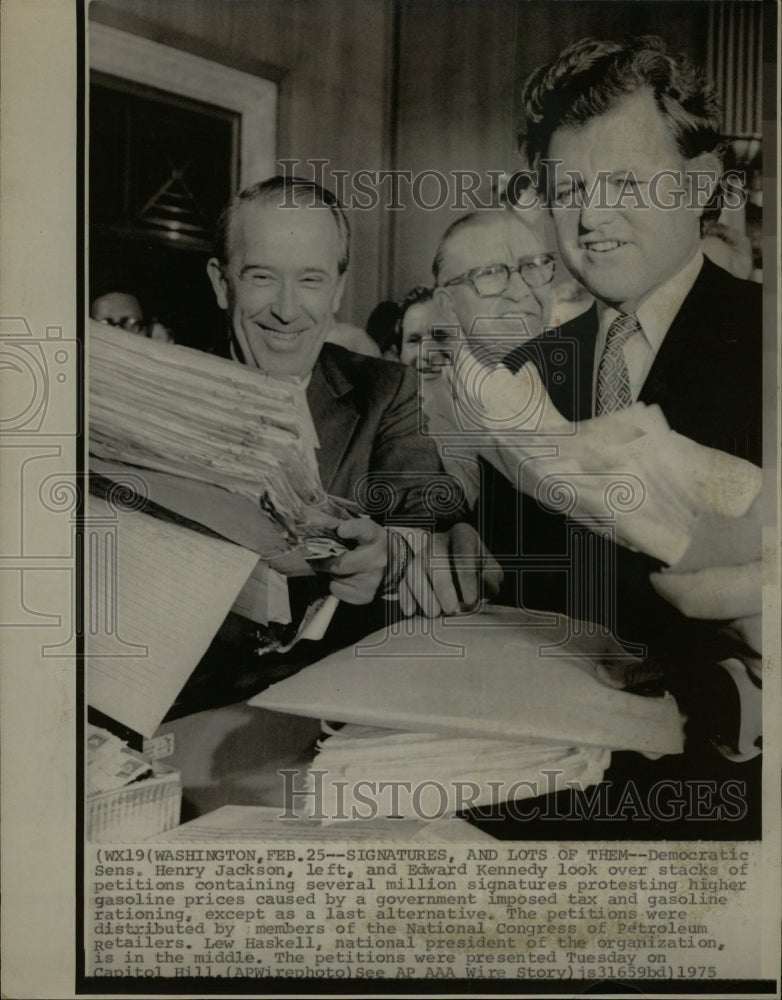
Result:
[416,85]
[462,65]
[333,64]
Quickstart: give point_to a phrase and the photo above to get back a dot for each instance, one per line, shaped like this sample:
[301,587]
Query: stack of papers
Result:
[111,763]
[176,410]
[498,696]
[661,490]
[432,775]
[271,824]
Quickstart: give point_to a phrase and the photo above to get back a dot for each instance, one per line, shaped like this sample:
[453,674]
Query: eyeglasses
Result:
[128,323]
[494,278]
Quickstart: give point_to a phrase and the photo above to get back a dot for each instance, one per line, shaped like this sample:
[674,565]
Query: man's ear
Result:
[443,302]
[219,283]
[338,292]
[703,176]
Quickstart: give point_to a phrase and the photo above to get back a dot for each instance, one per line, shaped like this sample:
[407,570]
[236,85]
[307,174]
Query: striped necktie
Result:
[613,378]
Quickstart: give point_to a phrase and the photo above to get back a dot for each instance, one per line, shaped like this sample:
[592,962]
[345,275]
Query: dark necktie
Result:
[613,378]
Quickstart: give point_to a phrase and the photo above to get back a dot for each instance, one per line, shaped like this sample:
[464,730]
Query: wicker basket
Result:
[138,811]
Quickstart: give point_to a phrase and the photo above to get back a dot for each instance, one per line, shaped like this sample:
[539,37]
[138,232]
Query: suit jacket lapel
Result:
[570,387]
[680,353]
[334,414]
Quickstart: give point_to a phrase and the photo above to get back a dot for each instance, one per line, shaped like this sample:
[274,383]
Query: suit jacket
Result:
[368,417]
[707,379]
[372,450]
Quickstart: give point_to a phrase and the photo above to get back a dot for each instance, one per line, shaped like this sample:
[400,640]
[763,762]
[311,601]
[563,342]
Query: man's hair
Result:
[381,325]
[464,222]
[113,289]
[591,76]
[476,218]
[287,194]
[421,293]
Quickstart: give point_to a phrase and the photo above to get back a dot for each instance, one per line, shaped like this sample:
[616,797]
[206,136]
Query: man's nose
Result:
[286,301]
[596,209]
[518,288]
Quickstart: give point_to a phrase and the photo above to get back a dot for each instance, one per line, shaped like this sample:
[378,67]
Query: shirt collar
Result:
[236,355]
[658,310]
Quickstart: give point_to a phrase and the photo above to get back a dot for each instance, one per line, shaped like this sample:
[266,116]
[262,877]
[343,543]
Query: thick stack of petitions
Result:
[429,775]
[190,453]
[176,410]
[266,824]
[496,697]
[662,491]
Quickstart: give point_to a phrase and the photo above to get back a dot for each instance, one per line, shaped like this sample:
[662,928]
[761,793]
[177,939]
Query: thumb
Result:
[363,530]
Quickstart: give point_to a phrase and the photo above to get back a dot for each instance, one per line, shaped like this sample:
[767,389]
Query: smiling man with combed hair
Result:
[623,136]
[283,248]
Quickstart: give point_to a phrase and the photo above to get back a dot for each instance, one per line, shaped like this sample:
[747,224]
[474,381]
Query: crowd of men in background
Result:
[637,293]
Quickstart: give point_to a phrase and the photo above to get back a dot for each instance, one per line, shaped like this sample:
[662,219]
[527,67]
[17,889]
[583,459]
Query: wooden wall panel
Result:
[333,64]
[455,112]
[445,98]
[461,68]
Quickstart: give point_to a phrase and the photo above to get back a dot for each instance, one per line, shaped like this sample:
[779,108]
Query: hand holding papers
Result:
[666,485]
[177,410]
[446,572]
[731,594]
[357,573]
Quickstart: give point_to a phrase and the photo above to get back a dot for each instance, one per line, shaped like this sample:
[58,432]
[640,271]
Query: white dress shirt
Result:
[655,315]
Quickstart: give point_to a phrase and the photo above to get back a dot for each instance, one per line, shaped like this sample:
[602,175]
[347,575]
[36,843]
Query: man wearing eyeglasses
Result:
[493,274]
[494,278]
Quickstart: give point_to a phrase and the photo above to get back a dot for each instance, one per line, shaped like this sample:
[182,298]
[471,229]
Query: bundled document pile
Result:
[496,700]
[663,491]
[429,775]
[111,763]
[176,410]
[128,797]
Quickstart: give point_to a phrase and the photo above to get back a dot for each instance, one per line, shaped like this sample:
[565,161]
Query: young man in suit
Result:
[622,137]
[625,136]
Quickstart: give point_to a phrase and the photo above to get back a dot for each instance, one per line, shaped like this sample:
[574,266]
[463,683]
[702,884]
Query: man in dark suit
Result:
[280,269]
[622,138]
[625,137]
[282,253]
